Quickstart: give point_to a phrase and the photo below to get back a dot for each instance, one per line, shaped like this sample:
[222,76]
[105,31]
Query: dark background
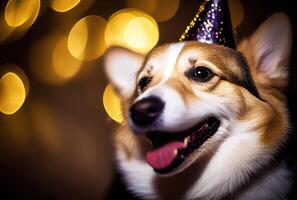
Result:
[77,163]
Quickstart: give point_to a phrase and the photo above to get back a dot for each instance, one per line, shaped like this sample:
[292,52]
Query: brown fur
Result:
[247,88]
[269,115]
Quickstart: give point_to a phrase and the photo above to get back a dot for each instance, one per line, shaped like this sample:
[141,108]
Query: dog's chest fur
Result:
[271,181]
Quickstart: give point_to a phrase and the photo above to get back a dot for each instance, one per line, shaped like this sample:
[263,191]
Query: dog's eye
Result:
[143,82]
[201,74]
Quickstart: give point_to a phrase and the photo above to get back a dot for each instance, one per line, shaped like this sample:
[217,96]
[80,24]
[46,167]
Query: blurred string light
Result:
[64,64]
[13,68]
[63,5]
[160,10]
[50,60]
[13,91]
[236,12]
[112,104]
[17,17]
[19,12]
[141,34]
[73,8]
[86,38]
[133,29]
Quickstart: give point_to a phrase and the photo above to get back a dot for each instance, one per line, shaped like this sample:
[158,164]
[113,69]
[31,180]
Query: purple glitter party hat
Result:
[212,24]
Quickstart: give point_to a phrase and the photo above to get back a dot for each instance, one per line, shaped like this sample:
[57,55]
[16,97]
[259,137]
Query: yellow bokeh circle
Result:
[50,60]
[112,104]
[64,64]
[19,12]
[12,93]
[133,29]
[86,38]
[141,34]
[63,5]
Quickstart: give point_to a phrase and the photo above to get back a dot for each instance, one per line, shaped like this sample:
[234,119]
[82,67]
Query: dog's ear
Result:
[268,51]
[121,67]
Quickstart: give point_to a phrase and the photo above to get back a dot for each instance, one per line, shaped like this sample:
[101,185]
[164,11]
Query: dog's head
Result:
[187,101]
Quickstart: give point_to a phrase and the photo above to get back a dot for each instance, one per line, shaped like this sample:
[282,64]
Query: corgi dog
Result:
[203,121]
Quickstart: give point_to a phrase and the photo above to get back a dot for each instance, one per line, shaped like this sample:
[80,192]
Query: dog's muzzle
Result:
[169,149]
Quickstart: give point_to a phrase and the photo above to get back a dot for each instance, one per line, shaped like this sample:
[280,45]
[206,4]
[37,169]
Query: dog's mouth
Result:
[171,149]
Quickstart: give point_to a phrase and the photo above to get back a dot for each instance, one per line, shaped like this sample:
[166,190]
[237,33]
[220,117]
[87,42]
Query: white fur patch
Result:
[172,55]
[138,175]
[231,165]
[171,59]
[237,157]
[121,66]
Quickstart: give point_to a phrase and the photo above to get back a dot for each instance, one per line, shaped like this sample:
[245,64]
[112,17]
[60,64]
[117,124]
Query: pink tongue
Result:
[163,156]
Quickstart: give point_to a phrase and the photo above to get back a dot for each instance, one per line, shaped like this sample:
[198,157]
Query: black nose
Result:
[147,110]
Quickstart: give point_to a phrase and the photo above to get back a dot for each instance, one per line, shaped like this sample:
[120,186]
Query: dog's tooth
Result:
[186,140]
[189,139]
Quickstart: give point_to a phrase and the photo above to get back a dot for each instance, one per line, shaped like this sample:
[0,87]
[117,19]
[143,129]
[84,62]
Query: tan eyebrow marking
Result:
[192,61]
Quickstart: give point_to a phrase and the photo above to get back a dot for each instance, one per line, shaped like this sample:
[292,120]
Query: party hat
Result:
[212,24]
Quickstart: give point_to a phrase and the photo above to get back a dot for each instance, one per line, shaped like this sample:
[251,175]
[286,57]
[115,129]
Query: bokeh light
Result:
[141,34]
[17,17]
[69,10]
[112,104]
[64,64]
[63,5]
[47,62]
[133,29]
[19,12]
[12,92]
[160,10]
[86,38]
[236,12]
[114,34]
[13,68]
